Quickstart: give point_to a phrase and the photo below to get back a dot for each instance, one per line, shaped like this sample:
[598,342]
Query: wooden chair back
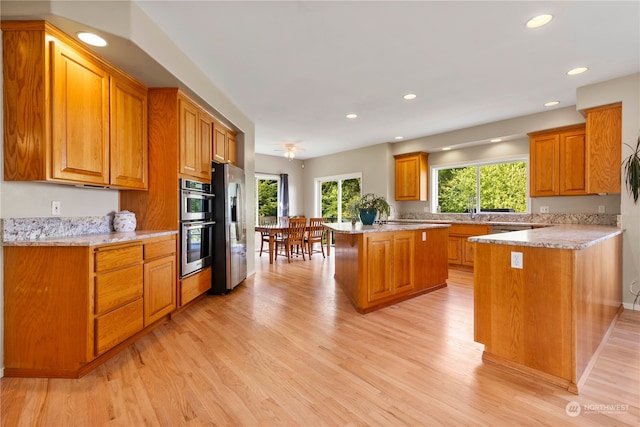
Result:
[315,233]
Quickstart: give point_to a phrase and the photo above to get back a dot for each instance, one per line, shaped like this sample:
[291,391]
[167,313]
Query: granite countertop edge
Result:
[93,239]
[358,228]
[569,236]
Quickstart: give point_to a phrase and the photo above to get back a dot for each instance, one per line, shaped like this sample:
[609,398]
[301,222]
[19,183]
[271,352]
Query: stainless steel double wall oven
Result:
[196,226]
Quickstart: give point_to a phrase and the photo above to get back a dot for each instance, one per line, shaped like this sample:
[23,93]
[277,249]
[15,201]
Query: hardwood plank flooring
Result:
[286,348]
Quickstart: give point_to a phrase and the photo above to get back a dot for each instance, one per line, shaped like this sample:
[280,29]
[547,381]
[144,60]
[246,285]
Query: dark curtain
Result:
[284,195]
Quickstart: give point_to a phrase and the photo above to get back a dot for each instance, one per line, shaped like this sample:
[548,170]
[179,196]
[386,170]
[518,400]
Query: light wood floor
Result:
[287,349]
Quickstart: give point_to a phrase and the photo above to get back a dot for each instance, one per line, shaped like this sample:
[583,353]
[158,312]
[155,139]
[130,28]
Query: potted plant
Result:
[632,171]
[369,206]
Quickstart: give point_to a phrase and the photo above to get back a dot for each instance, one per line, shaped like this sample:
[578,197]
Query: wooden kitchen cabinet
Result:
[159,279]
[604,148]
[390,264]
[558,162]
[411,171]
[195,139]
[76,119]
[461,253]
[68,308]
[224,145]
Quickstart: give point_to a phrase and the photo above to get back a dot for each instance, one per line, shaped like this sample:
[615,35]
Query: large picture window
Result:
[267,197]
[488,187]
[334,195]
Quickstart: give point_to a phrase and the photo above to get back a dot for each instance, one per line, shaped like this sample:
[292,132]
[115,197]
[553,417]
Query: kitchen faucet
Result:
[471,205]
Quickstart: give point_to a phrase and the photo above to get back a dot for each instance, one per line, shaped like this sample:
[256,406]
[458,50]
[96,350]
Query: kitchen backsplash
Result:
[48,227]
[573,218]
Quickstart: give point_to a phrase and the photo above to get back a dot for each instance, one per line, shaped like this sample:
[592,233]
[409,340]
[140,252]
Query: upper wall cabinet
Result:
[196,135]
[69,116]
[224,145]
[558,162]
[604,148]
[411,176]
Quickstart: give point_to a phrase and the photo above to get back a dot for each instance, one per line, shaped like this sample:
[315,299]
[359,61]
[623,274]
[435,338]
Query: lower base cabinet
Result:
[67,308]
[461,253]
[195,285]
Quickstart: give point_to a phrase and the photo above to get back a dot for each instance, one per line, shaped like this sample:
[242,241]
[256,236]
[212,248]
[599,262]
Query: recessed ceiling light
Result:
[446,148]
[578,70]
[399,137]
[351,116]
[551,103]
[410,96]
[539,21]
[92,39]
[496,140]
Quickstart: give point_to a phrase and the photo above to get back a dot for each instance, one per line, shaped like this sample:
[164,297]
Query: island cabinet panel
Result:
[460,250]
[377,269]
[548,318]
[70,117]
[69,308]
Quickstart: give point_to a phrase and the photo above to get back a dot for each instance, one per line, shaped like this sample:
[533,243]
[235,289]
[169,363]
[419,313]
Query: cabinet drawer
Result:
[159,249]
[468,229]
[118,325]
[194,286]
[108,259]
[117,287]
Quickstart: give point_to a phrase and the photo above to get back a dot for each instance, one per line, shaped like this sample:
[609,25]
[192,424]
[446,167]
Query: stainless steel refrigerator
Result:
[229,266]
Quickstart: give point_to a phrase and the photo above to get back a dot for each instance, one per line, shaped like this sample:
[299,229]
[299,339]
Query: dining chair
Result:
[314,234]
[293,237]
[264,236]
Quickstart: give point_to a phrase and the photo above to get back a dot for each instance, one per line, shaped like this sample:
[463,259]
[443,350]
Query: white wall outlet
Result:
[424,236]
[516,260]
[544,209]
[55,208]
[601,209]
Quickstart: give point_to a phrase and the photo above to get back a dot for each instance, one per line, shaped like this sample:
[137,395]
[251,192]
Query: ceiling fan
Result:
[290,150]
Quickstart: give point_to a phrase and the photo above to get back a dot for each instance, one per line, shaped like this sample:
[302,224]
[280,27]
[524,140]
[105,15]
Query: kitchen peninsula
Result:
[380,265]
[546,299]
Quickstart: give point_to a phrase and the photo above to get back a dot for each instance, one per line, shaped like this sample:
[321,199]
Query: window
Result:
[334,195]
[267,196]
[487,187]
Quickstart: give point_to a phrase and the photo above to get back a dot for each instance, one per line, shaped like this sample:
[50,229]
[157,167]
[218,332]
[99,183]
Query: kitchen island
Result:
[546,299]
[380,265]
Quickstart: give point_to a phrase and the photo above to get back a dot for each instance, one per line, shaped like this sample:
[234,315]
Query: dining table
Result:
[274,230]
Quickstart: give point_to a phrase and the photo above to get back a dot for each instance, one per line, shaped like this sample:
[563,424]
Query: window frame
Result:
[433,190]
[264,176]
[317,208]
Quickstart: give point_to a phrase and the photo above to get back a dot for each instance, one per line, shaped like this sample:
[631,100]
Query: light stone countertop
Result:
[92,239]
[567,236]
[358,228]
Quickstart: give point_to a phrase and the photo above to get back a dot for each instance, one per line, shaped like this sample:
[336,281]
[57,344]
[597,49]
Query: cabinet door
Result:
[411,176]
[403,262]
[454,250]
[468,252]
[220,144]
[128,113]
[80,118]
[379,266]
[189,140]
[573,163]
[232,149]
[544,165]
[604,142]
[159,288]
[206,141]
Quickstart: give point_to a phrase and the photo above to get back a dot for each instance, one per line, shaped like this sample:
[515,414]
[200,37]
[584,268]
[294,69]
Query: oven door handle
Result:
[200,224]
[198,194]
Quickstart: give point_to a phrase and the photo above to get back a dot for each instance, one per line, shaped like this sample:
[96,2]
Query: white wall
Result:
[276,165]
[627,90]
[375,163]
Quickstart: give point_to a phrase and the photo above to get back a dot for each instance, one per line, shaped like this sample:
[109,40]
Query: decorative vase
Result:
[367,216]
[124,221]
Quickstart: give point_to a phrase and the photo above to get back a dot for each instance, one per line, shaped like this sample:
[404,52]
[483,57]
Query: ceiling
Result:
[297,68]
